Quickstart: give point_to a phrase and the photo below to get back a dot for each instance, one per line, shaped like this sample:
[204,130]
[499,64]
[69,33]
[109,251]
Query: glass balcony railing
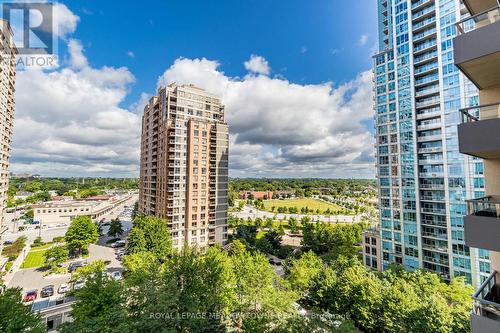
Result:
[481,112]
[479,20]
[426,79]
[487,206]
[425,56]
[422,12]
[425,22]
[420,3]
[486,300]
[425,45]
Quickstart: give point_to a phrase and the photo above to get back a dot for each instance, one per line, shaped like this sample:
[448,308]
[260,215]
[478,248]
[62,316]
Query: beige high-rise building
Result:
[184,164]
[8,53]
[477,54]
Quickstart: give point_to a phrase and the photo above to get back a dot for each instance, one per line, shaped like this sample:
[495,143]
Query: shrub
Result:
[58,239]
[12,251]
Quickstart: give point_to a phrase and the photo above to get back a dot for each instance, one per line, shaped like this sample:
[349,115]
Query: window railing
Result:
[485,299]
[487,206]
[479,20]
[480,112]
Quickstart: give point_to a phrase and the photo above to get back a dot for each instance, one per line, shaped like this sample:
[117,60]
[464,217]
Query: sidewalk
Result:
[17,264]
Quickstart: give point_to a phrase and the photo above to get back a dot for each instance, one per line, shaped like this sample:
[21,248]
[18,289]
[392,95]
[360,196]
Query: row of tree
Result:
[188,291]
[391,302]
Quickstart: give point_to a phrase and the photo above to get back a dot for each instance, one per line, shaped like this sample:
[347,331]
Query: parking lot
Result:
[33,278]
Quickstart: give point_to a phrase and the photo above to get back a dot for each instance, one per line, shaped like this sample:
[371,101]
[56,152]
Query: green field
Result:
[309,203]
[35,258]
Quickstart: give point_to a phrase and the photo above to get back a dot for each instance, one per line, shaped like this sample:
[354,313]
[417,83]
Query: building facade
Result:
[52,213]
[184,164]
[371,249]
[423,179]
[8,53]
[477,54]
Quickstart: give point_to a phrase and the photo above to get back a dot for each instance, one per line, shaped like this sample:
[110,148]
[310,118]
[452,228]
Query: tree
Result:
[115,228]
[55,256]
[99,305]
[300,272]
[293,225]
[81,233]
[17,317]
[155,236]
[136,241]
[259,292]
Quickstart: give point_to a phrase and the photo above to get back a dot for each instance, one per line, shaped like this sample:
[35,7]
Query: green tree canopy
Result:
[81,233]
[17,317]
[115,228]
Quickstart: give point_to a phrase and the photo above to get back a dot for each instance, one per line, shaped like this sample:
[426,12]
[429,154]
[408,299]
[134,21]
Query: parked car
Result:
[63,288]
[7,242]
[30,295]
[79,284]
[47,291]
[74,266]
[119,243]
[117,276]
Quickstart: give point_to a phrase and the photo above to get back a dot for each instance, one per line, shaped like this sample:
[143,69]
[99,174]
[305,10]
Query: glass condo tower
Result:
[423,179]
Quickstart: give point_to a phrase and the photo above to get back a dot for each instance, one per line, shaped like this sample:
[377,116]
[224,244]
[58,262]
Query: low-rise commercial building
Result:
[55,212]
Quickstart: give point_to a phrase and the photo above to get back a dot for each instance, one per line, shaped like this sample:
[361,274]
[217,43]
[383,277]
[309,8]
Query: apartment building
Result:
[477,54]
[371,249]
[8,53]
[423,180]
[184,164]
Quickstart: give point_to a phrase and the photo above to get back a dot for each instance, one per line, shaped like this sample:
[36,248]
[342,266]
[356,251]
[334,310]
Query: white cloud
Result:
[64,20]
[258,65]
[279,128]
[76,57]
[363,40]
[68,121]
[131,54]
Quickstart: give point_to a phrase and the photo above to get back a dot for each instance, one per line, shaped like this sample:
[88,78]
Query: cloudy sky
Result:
[296,83]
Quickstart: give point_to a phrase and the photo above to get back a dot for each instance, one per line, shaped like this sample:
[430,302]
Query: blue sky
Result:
[305,41]
[295,77]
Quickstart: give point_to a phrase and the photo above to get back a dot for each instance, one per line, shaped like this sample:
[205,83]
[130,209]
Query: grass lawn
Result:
[313,204]
[35,258]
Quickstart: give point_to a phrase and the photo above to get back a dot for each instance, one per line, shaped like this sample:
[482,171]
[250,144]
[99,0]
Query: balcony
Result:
[482,224]
[485,316]
[477,49]
[479,132]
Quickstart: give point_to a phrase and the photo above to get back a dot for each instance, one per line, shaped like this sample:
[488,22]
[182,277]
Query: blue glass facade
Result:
[423,179]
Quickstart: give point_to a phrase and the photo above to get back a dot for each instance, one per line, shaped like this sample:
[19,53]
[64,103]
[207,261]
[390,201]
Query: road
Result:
[252,212]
